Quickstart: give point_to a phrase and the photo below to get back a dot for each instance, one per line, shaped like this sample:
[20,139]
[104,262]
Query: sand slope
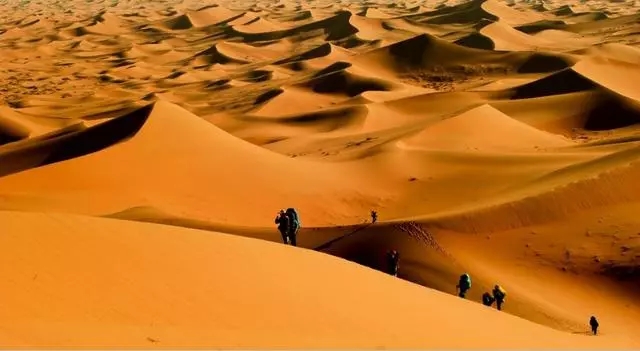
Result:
[89,276]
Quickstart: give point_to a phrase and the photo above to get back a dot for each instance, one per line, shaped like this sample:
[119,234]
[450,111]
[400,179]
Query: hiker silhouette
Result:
[393,258]
[499,294]
[283,226]
[288,225]
[464,284]
[594,325]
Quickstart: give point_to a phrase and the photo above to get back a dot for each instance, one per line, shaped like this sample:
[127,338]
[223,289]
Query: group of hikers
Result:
[289,224]
[497,295]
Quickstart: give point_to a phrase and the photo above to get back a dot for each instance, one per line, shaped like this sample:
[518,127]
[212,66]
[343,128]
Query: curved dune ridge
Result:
[145,149]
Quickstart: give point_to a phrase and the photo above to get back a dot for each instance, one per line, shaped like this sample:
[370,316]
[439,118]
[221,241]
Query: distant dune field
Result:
[147,146]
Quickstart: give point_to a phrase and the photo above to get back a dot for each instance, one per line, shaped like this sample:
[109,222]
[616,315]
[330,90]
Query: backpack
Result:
[465,281]
[487,299]
[293,216]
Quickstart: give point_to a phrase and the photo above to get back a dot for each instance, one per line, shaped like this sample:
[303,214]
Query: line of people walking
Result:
[289,224]
[497,295]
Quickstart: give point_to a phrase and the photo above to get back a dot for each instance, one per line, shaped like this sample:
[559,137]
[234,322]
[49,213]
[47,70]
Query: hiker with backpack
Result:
[282,220]
[294,225]
[393,258]
[594,325]
[374,217]
[499,294]
[464,284]
[487,299]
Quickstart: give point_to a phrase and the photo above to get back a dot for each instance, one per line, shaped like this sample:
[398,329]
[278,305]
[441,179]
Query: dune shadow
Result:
[78,141]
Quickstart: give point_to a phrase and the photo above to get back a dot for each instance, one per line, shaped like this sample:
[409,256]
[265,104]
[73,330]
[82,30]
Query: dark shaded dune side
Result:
[541,7]
[75,142]
[266,96]
[596,110]
[568,12]
[466,13]
[476,41]
[423,261]
[593,26]
[592,16]
[319,51]
[542,63]
[425,49]
[563,82]
[610,112]
[463,17]
[212,56]
[335,28]
[425,52]
[322,121]
[564,10]
[181,22]
[11,131]
[539,26]
[334,79]
[353,41]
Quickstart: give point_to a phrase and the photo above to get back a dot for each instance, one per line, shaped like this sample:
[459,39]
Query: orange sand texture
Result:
[146,147]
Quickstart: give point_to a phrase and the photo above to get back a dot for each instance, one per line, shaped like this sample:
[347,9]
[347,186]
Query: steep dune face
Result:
[495,137]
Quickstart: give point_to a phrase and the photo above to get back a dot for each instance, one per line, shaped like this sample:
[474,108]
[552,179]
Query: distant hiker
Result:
[393,258]
[464,284]
[499,294]
[374,216]
[294,225]
[487,299]
[594,325]
[282,220]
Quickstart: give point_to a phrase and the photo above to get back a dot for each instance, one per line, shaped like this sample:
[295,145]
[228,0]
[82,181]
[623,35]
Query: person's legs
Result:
[595,330]
[292,237]
[284,236]
[462,293]
[499,304]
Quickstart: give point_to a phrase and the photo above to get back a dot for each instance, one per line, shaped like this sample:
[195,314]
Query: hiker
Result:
[487,299]
[393,258]
[499,295]
[282,220]
[594,325]
[464,284]
[294,225]
[374,216]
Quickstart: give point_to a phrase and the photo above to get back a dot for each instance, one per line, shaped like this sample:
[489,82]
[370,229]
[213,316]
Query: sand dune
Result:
[145,149]
[57,287]
[467,132]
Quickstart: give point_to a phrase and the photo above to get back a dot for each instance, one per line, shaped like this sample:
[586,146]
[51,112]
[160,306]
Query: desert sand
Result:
[147,146]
